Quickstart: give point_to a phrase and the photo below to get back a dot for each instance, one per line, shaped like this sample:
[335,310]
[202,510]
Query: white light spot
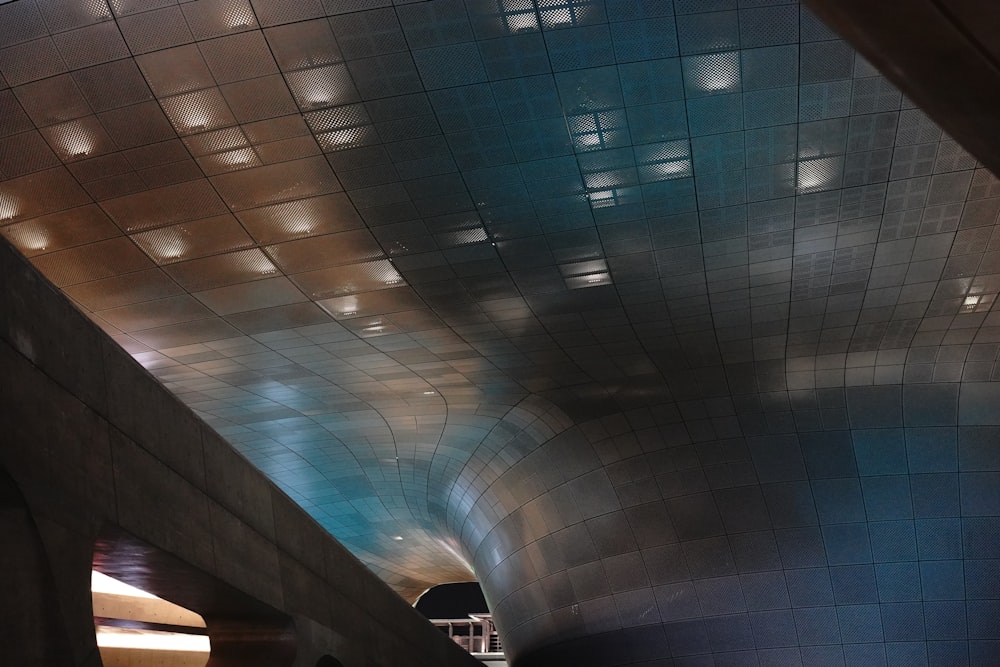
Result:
[714,72]
[149,640]
[8,206]
[102,583]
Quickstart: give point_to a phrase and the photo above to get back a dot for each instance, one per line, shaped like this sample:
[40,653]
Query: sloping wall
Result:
[100,456]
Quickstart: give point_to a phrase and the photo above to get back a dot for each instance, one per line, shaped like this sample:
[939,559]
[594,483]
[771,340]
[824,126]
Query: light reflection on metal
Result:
[242,157]
[239,16]
[348,306]
[591,273]
[593,131]
[451,547]
[663,161]
[521,22]
[34,239]
[817,175]
[673,169]
[617,196]
[8,207]
[714,72]
[72,140]
[341,139]
[563,13]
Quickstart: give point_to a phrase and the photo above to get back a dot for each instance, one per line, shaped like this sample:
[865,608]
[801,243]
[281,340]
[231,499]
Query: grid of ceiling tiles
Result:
[353,235]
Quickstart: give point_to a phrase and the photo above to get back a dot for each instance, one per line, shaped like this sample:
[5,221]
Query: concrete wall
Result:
[96,456]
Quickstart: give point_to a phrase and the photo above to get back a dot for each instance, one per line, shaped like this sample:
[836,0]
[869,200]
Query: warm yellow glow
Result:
[34,239]
[150,640]
[237,158]
[102,583]
[8,206]
[317,96]
[174,247]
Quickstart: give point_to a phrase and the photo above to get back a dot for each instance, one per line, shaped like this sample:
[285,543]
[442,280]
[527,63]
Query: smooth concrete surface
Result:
[102,465]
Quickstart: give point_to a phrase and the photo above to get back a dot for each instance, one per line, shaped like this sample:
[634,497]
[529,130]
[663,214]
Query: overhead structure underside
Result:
[672,322]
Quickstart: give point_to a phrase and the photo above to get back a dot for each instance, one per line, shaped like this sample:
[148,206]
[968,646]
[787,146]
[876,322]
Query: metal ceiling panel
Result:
[52,100]
[319,252]
[349,279]
[267,293]
[91,45]
[103,259]
[58,231]
[642,253]
[145,285]
[150,314]
[164,206]
[112,85]
[208,236]
[25,153]
[300,218]
[221,270]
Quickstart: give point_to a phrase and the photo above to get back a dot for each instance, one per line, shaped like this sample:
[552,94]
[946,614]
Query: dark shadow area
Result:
[329,661]
[452,601]
[32,633]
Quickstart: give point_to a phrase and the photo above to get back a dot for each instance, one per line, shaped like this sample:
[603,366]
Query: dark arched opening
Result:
[33,633]
[461,611]
[452,601]
[329,661]
[243,631]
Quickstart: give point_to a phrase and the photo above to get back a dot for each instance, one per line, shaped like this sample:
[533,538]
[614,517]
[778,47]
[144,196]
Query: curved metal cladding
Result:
[672,322]
[792,526]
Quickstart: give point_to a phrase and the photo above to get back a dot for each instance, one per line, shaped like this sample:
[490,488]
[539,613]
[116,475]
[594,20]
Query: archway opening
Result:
[329,661]
[138,629]
[176,598]
[452,600]
[460,610]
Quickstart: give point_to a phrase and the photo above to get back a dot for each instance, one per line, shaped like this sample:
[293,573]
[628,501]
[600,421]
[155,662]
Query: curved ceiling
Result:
[388,248]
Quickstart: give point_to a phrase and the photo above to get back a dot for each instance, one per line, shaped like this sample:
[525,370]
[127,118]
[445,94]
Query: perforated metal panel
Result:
[671,284]
[351,279]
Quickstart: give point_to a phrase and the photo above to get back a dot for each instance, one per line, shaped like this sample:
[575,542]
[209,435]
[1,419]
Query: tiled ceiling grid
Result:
[353,234]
